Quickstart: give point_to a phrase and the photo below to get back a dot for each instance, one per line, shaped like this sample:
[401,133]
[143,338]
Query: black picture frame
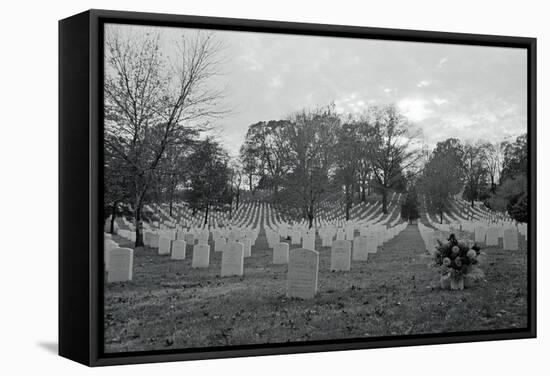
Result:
[80,185]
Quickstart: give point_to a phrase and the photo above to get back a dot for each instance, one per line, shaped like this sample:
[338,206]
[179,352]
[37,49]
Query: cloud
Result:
[440,101]
[415,109]
[275,82]
[423,83]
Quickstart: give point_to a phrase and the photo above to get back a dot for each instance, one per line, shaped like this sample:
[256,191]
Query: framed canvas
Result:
[234,187]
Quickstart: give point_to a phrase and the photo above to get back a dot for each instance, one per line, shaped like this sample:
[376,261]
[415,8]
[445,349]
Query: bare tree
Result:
[153,101]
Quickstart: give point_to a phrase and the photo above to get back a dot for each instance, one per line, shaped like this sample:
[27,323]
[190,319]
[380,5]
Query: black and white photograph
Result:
[276,188]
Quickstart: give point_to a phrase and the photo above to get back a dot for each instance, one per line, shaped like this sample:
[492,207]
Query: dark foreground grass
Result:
[169,305]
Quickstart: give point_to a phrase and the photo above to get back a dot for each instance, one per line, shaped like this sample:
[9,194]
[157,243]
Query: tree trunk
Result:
[310,215]
[384,201]
[139,232]
[206,215]
[472,203]
[250,182]
[238,197]
[363,195]
[113,216]
[441,217]
[348,202]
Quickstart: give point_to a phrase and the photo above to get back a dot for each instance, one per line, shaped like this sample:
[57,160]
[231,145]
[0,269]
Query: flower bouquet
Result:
[458,264]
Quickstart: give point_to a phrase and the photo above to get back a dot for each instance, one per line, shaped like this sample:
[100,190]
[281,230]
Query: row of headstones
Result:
[490,237]
[482,235]
[166,244]
[119,261]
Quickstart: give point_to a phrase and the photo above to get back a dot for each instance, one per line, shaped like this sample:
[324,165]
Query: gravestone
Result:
[480,232]
[233,260]
[220,244]
[203,237]
[296,237]
[180,235]
[189,239]
[360,248]
[327,240]
[108,245]
[201,256]
[510,239]
[280,253]
[121,264]
[340,255]
[309,242]
[372,243]
[303,271]
[165,246]
[492,236]
[247,247]
[154,240]
[178,250]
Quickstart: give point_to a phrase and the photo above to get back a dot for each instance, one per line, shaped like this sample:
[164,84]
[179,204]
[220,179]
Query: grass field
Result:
[169,305]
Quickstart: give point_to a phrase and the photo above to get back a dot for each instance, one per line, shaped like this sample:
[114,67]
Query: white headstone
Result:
[220,244]
[360,248]
[303,271]
[296,237]
[480,232]
[372,243]
[510,239]
[309,242]
[165,246]
[121,265]
[326,240]
[178,250]
[154,240]
[492,236]
[280,253]
[108,245]
[189,239]
[233,260]
[340,255]
[247,247]
[201,256]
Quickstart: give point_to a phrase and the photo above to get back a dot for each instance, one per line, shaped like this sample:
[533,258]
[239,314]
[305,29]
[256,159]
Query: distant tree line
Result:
[319,153]
[495,174]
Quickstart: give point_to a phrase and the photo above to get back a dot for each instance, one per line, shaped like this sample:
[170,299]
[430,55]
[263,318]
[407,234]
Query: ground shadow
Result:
[50,347]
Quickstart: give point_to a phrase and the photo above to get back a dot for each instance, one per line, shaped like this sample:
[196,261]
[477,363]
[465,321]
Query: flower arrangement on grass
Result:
[457,263]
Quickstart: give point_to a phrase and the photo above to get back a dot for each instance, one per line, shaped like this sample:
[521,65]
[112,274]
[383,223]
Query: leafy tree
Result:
[392,154]
[347,152]
[310,139]
[209,177]
[475,172]
[515,157]
[264,153]
[250,161]
[443,175]
[518,208]
[512,193]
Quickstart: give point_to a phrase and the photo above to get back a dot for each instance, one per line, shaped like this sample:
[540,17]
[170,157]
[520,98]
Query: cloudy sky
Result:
[469,92]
